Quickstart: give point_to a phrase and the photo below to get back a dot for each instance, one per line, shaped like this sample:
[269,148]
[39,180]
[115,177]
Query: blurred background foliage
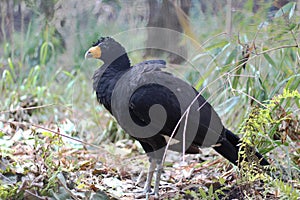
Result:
[243,54]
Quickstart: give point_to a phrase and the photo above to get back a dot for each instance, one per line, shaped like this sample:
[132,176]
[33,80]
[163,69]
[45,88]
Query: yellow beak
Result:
[93,52]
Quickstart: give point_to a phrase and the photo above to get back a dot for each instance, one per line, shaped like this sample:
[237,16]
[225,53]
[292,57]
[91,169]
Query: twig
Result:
[66,136]
[184,133]
[251,97]
[208,165]
[68,190]
[276,48]
[35,195]
[52,131]
[29,108]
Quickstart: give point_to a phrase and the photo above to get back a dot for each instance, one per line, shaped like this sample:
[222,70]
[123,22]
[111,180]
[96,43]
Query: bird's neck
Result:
[120,63]
[106,77]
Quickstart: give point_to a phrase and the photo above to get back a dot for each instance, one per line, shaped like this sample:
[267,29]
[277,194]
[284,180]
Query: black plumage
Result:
[117,66]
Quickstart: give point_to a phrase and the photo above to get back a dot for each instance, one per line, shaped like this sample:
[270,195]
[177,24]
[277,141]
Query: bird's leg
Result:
[151,170]
[157,179]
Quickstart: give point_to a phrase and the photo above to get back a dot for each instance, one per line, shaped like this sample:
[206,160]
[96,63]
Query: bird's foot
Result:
[143,191]
[147,193]
[154,194]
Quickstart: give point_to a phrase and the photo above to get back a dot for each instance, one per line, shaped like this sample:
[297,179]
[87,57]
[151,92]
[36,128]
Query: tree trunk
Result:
[163,15]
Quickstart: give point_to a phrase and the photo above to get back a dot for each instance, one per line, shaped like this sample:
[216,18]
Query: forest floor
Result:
[42,162]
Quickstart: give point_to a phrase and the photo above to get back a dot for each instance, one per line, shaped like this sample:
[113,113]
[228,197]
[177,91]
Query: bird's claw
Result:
[147,192]
[144,191]
[155,194]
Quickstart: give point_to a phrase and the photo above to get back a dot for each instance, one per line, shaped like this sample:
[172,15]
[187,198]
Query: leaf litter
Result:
[39,164]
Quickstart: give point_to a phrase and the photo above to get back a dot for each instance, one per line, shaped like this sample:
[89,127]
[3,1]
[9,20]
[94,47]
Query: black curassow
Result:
[138,88]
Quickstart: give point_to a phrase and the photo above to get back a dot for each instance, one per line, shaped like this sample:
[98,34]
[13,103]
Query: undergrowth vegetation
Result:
[251,76]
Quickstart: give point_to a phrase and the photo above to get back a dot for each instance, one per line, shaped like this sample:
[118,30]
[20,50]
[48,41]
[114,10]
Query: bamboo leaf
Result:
[231,57]
[287,8]
[270,60]
[280,85]
[292,10]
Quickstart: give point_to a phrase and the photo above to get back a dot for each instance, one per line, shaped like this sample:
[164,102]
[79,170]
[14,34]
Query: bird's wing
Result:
[154,86]
[149,92]
[152,64]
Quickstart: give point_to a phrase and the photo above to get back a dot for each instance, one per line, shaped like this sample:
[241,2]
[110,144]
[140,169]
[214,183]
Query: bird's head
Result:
[105,49]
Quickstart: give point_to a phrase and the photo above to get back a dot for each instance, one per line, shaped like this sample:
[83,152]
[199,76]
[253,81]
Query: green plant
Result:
[263,129]
[210,193]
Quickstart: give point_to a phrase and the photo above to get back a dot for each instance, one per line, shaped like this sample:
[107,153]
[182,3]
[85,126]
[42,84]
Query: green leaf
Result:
[68,74]
[231,57]
[270,60]
[12,67]
[202,193]
[217,45]
[47,133]
[292,26]
[226,106]
[211,191]
[236,78]
[287,8]
[285,81]
[222,180]
[7,76]
[292,10]
[293,84]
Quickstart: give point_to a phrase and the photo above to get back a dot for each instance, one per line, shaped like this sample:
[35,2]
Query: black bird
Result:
[152,105]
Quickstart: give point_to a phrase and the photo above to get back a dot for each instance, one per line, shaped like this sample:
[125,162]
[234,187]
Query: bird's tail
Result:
[228,146]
